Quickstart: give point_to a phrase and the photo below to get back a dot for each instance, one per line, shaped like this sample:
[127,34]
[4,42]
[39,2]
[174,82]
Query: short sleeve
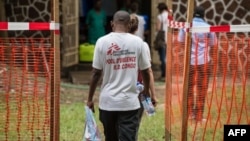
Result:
[97,57]
[147,50]
[144,61]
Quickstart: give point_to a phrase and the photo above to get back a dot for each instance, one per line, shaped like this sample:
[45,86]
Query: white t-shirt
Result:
[163,18]
[120,56]
[147,51]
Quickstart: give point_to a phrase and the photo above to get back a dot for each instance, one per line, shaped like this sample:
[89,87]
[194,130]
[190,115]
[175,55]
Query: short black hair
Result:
[121,17]
[162,6]
[199,12]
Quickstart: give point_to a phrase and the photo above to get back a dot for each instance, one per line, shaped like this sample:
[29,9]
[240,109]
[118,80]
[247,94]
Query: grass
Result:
[72,117]
[221,107]
[72,124]
[24,120]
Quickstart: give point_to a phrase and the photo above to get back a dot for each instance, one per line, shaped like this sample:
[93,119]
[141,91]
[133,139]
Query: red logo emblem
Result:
[113,47]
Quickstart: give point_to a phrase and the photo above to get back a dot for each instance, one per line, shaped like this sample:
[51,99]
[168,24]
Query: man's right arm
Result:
[95,77]
[96,74]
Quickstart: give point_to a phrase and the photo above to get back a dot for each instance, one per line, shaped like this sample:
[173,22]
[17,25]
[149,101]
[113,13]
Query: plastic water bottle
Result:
[146,101]
[139,87]
[147,105]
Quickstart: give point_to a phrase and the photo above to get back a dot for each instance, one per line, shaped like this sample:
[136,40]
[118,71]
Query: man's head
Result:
[121,21]
[121,17]
[199,12]
[98,5]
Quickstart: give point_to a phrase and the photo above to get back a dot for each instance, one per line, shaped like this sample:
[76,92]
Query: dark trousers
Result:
[140,114]
[199,76]
[162,55]
[120,125]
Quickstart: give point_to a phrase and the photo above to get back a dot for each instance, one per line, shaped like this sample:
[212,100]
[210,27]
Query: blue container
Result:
[146,18]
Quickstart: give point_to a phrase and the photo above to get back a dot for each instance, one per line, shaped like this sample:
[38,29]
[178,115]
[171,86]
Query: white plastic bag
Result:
[91,132]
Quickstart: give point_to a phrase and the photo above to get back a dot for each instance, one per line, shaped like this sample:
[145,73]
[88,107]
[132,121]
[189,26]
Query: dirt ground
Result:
[70,93]
[75,88]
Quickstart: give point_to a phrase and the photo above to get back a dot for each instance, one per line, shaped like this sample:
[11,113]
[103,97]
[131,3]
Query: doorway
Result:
[110,7]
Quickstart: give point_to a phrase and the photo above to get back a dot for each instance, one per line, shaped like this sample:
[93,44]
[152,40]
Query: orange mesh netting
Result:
[218,91]
[25,69]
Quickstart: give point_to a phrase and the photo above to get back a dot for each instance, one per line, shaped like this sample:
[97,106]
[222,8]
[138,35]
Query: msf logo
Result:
[112,48]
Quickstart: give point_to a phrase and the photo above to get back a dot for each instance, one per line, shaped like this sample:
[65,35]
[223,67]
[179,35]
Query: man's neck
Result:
[120,29]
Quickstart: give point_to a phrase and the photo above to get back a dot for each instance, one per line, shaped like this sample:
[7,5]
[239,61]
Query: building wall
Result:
[28,11]
[40,11]
[218,12]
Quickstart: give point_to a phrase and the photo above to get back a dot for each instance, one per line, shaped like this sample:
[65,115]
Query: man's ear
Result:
[129,26]
[112,24]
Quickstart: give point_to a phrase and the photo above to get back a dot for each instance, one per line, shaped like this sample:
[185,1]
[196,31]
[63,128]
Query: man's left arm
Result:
[146,81]
[144,66]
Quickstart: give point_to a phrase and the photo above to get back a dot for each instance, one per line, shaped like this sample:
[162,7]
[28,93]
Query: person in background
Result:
[199,65]
[96,22]
[161,23]
[134,22]
[124,4]
[118,57]
[134,8]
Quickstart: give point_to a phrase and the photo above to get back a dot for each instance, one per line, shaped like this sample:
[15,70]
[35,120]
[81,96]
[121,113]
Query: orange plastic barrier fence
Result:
[25,81]
[218,91]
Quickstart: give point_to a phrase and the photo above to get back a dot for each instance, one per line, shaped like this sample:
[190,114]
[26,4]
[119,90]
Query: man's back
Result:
[119,55]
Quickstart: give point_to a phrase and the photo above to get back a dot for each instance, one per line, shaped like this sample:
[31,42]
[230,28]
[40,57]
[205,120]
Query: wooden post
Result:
[186,73]
[168,80]
[55,76]
[154,55]
[2,17]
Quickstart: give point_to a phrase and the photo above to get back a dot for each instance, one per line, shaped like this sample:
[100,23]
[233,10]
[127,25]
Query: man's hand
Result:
[154,101]
[91,106]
